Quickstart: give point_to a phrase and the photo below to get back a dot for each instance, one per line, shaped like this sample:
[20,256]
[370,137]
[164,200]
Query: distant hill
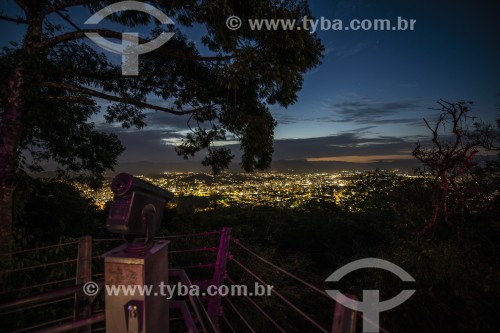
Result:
[299,166]
[305,166]
[281,166]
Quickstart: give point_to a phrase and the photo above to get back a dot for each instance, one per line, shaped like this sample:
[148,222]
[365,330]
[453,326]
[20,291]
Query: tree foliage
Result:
[54,81]
[228,91]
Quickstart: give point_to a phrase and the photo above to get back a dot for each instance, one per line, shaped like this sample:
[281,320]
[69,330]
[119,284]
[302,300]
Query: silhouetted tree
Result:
[456,139]
[49,83]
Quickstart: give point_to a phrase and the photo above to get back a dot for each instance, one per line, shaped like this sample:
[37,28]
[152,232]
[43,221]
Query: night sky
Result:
[367,100]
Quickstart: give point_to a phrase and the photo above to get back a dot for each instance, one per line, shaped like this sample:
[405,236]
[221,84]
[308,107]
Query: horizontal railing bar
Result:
[198,266]
[38,266]
[37,306]
[201,249]
[73,324]
[38,248]
[36,286]
[31,328]
[46,296]
[208,233]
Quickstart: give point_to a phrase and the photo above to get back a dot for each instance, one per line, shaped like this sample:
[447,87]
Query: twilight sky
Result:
[366,101]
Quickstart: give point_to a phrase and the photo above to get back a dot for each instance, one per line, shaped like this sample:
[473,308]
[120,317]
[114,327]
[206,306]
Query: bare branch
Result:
[67,19]
[80,34]
[449,160]
[119,99]
[428,126]
[434,131]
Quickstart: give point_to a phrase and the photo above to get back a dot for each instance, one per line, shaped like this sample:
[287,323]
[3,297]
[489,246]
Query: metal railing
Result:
[205,318]
[82,316]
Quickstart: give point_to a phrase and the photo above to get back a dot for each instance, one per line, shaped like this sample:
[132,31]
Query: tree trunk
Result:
[10,134]
[5,226]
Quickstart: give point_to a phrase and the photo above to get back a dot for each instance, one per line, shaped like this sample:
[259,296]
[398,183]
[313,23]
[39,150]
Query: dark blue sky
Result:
[379,84]
[367,100]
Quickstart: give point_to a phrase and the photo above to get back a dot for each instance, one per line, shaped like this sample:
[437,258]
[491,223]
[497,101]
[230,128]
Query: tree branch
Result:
[15,20]
[80,34]
[74,99]
[434,131]
[91,92]
[66,4]
[67,19]
[23,6]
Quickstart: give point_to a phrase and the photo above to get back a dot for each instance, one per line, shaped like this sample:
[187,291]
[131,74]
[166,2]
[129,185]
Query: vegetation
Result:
[450,157]
[456,266]
[49,83]
[445,231]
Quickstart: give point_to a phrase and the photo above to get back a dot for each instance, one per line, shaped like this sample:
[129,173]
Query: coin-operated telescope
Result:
[137,209]
[136,213]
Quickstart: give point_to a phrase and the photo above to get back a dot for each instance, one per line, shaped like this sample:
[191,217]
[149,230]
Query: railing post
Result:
[83,303]
[344,319]
[214,307]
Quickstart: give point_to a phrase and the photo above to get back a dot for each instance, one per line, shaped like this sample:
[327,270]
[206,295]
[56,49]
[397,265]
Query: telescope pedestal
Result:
[127,310]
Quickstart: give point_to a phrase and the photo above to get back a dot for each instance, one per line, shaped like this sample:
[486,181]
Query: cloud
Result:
[154,119]
[158,119]
[284,119]
[361,159]
[360,110]
[157,141]
[344,144]
[159,146]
